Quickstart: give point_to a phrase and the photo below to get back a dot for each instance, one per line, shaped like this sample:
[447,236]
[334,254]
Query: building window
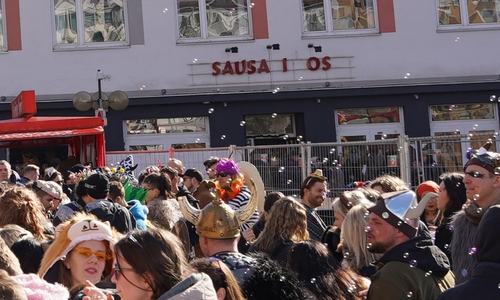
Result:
[89,23]
[453,112]
[202,20]
[339,17]
[3,31]
[470,13]
[270,125]
[368,115]
[168,125]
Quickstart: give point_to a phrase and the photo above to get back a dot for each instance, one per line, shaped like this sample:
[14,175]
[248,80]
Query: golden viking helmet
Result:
[218,220]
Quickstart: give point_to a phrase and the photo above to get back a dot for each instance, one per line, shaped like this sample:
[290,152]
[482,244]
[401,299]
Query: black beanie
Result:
[97,186]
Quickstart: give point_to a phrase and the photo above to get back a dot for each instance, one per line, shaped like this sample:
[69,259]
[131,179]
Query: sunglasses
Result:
[474,174]
[119,271]
[221,174]
[131,238]
[100,255]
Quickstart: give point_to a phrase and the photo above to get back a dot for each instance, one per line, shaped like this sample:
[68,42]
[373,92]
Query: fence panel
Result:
[284,167]
[432,156]
[192,158]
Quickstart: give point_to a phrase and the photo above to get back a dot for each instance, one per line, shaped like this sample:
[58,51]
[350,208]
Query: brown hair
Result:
[116,189]
[309,182]
[21,206]
[156,255]
[10,289]
[390,183]
[287,221]
[221,276]
[162,182]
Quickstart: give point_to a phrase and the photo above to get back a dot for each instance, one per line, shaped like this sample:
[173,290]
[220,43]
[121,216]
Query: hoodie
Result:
[484,282]
[140,212]
[414,269]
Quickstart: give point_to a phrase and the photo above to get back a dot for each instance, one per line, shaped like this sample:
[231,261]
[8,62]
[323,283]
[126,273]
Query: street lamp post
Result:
[100,101]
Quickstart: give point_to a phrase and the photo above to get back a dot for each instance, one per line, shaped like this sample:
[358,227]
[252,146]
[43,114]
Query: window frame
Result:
[465,25]
[3,23]
[330,31]
[81,45]
[204,27]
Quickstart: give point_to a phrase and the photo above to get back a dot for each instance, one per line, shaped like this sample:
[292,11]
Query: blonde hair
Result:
[353,236]
[287,221]
[21,206]
[353,198]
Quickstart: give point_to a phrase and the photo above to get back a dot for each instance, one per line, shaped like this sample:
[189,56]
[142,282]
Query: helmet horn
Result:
[244,213]
[190,213]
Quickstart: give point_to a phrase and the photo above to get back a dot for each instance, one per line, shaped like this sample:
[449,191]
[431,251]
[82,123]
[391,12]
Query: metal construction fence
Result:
[284,167]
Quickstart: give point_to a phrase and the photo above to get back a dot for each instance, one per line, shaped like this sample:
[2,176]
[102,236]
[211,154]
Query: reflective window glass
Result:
[269,125]
[89,22]
[336,16]
[478,12]
[167,125]
[462,112]
[368,115]
[2,26]
[213,19]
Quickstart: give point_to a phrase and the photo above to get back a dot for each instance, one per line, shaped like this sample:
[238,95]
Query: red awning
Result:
[49,134]
[46,131]
[42,124]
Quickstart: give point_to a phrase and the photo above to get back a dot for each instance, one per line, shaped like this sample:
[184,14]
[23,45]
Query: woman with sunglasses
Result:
[233,191]
[81,251]
[150,265]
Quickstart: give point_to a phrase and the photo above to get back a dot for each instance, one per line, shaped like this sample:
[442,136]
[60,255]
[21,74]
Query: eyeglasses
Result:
[100,255]
[119,271]
[130,237]
[474,174]
[221,174]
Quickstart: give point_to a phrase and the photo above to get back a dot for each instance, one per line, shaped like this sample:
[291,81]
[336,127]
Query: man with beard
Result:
[313,194]
[482,184]
[411,266]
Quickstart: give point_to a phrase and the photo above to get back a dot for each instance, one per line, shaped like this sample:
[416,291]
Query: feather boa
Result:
[235,188]
[39,289]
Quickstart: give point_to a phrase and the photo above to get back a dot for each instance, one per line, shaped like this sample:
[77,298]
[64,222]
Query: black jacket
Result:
[118,216]
[485,281]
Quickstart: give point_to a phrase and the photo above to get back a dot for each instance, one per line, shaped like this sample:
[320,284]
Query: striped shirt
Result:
[241,200]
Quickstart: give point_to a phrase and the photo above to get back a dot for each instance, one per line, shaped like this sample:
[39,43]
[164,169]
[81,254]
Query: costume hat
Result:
[485,159]
[218,220]
[401,210]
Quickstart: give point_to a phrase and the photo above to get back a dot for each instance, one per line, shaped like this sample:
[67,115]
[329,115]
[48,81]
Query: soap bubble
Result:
[472,250]
[242,123]
[464,272]
[274,115]
[210,110]
[405,255]
[223,137]
[413,263]
[409,295]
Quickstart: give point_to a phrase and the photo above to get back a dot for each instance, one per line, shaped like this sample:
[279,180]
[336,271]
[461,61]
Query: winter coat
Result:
[484,281]
[195,287]
[139,212]
[118,216]
[164,213]
[465,224]
[414,269]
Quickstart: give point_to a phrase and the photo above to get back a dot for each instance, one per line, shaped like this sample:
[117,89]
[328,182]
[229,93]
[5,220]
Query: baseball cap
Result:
[193,173]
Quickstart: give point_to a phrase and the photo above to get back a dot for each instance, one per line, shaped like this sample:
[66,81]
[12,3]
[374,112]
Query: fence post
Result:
[404,147]
[232,152]
[306,158]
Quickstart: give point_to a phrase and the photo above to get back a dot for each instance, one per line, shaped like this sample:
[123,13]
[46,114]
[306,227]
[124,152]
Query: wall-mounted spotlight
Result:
[316,48]
[273,46]
[232,50]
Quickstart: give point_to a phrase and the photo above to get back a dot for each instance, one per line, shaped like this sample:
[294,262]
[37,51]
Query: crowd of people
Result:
[169,233]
